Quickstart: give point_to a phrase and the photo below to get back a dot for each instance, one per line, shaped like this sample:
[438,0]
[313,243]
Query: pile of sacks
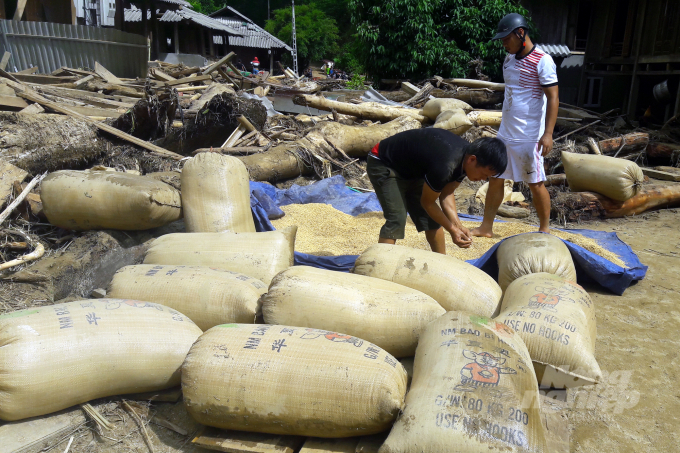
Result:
[260,345]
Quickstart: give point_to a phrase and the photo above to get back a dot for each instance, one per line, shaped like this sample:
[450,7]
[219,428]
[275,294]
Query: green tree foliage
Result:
[317,34]
[207,6]
[420,38]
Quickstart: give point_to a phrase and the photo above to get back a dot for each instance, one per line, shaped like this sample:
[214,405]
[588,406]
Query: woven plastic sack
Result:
[90,200]
[258,255]
[455,121]
[209,296]
[291,380]
[556,319]
[434,107]
[386,314]
[57,356]
[473,391]
[454,284]
[618,179]
[216,195]
[532,253]
[508,194]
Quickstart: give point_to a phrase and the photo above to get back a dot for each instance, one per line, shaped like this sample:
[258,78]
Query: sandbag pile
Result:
[473,390]
[454,284]
[618,179]
[532,253]
[90,200]
[291,380]
[216,195]
[257,255]
[209,296]
[57,356]
[556,319]
[386,314]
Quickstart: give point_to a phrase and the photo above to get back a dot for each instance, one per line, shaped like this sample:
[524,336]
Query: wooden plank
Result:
[8,174]
[42,79]
[163,77]
[13,104]
[408,88]
[32,70]
[232,150]
[21,5]
[37,433]
[318,445]
[33,109]
[184,80]
[663,175]
[5,60]
[89,97]
[197,88]
[244,442]
[219,63]
[93,111]
[105,74]
[28,94]
[83,80]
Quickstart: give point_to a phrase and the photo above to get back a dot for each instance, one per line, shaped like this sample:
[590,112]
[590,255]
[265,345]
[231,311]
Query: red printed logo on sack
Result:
[313,334]
[485,370]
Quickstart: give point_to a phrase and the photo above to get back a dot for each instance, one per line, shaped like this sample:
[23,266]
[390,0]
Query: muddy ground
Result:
[636,409]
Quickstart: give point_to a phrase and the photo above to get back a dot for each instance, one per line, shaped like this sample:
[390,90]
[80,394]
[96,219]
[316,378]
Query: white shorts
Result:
[525,163]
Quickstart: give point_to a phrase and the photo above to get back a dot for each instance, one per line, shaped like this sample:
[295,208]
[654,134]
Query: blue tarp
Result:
[265,201]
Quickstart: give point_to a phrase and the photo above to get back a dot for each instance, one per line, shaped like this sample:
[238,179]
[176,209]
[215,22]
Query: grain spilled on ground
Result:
[323,230]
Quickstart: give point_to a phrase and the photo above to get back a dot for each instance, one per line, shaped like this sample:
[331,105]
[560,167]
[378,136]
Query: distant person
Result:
[240,66]
[256,65]
[529,116]
[411,170]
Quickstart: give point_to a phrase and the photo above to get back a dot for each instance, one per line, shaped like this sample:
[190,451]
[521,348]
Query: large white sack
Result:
[556,319]
[216,195]
[618,179]
[388,315]
[258,255]
[90,200]
[531,253]
[208,296]
[57,356]
[454,284]
[473,391]
[291,380]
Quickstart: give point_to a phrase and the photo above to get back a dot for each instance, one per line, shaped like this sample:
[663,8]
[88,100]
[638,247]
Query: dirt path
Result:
[638,409]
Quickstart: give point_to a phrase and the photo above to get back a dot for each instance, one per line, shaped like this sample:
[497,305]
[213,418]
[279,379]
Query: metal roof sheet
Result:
[252,35]
[134,14]
[178,2]
[198,18]
[555,50]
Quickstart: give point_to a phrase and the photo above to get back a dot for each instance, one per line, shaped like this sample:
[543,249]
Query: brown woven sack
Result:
[618,179]
[257,255]
[56,356]
[532,253]
[473,391]
[216,195]
[90,200]
[386,314]
[454,284]
[208,296]
[556,319]
[291,380]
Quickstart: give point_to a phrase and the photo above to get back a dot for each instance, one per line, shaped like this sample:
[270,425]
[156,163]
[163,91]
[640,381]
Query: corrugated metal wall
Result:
[50,46]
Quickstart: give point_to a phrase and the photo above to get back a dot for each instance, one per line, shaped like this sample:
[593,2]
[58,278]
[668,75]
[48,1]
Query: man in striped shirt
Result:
[529,115]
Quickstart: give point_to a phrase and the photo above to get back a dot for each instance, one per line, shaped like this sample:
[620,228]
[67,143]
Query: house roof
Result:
[198,18]
[252,34]
[178,2]
[555,50]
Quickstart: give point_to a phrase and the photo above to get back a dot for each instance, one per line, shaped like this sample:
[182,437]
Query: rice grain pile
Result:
[325,231]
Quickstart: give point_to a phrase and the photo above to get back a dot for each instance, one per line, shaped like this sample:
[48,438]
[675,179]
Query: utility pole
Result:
[295,59]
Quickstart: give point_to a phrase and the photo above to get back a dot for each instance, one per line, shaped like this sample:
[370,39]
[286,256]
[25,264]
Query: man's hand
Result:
[461,238]
[546,144]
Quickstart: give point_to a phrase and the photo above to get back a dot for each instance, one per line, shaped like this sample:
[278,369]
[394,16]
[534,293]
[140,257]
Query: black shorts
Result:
[398,197]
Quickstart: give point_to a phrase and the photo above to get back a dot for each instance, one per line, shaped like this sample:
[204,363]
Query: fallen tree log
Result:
[485,118]
[478,99]
[382,113]
[473,83]
[575,206]
[626,144]
[663,152]
[49,142]
[325,144]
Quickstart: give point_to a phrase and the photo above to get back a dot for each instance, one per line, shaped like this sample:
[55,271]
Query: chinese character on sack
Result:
[502,351]
[288,330]
[371,352]
[278,344]
[390,361]
[92,318]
